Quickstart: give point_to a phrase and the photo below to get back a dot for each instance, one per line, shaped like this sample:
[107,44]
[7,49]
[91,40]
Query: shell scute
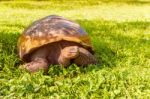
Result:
[51,29]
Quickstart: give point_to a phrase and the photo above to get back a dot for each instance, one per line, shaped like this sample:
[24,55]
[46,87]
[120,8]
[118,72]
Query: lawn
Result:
[120,34]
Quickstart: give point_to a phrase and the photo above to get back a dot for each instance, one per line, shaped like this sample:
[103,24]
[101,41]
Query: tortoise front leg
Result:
[38,61]
[36,65]
[84,58]
[67,54]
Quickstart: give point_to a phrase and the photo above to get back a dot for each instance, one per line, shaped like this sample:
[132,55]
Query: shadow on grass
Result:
[111,40]
[9,42]
[8,49]
[10,25]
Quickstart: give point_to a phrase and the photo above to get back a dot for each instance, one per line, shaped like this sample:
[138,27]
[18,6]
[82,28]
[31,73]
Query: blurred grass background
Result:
[120,34]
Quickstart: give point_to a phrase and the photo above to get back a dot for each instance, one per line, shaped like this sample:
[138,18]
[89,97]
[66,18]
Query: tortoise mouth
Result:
[73,51]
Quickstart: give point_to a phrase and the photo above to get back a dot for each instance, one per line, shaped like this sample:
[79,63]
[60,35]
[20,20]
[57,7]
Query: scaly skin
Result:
[79,55]
[38,61]
[84,58]
[67,54]
[59,54]
[36,65]
[47,55]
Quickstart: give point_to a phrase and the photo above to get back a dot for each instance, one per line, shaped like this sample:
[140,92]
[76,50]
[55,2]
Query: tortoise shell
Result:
[51,29]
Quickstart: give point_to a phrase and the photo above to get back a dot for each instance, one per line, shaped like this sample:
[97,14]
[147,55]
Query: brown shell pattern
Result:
[50,29]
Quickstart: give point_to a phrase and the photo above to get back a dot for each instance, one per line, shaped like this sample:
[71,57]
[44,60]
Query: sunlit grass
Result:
[120,34]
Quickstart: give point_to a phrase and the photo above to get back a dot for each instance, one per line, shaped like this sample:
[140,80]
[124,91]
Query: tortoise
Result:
[57,41]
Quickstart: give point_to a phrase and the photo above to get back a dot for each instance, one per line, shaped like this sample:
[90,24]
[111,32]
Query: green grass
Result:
[120,34]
